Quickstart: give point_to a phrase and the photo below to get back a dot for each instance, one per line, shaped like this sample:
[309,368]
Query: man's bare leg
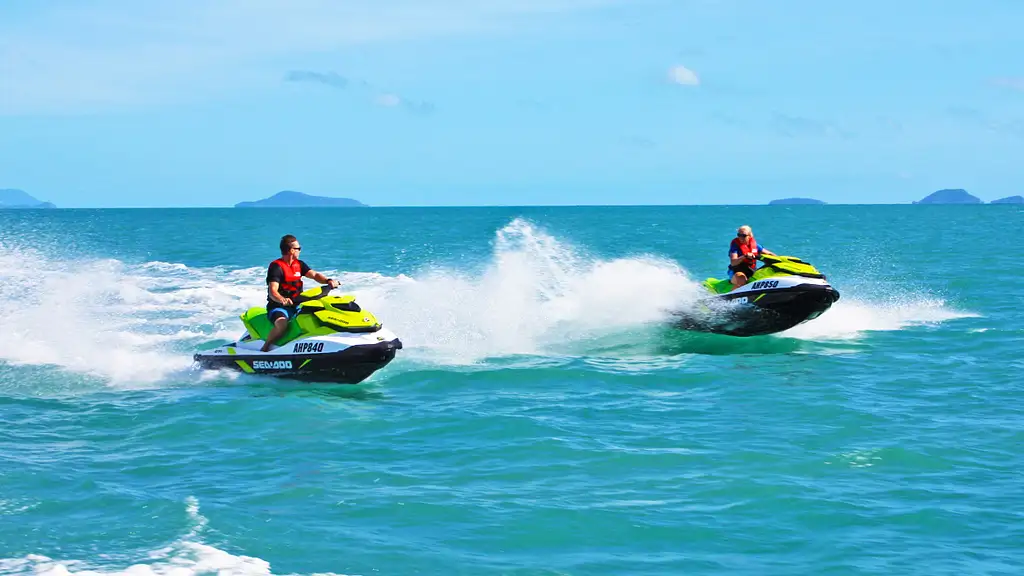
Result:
[280,327]
[738,279]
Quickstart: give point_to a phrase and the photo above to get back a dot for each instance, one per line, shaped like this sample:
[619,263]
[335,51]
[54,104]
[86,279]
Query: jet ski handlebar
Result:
[324,291]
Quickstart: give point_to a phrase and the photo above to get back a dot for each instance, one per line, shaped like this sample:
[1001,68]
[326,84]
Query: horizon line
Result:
[405,206]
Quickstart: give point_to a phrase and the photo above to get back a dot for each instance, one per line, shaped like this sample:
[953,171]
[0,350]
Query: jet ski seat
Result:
[319,317]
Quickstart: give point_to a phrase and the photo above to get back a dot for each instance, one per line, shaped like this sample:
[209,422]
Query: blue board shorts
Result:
[275,309]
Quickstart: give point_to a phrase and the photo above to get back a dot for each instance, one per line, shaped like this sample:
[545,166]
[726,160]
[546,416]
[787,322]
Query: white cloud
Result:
[1013,83]
[116,53]
[380,98]
[683,75]
[388,100]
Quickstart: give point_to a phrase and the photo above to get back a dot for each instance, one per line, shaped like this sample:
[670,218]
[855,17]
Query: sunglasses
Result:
[297,248]
[743,234]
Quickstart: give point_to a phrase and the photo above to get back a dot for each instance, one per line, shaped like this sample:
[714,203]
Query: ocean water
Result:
[542,418]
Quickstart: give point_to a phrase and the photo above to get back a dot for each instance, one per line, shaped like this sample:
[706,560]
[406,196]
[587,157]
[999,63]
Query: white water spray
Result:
[852,318]
[138,325]
[536,295]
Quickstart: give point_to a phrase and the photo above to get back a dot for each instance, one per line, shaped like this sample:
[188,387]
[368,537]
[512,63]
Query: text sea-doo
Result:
[785,292]
[330,339]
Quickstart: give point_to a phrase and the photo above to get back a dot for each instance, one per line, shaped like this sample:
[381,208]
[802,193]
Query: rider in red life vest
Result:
[743,254]
[284,282]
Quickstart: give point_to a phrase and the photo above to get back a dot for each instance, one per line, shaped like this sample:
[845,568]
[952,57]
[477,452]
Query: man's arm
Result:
[321,278]
[274,278]
[274,294]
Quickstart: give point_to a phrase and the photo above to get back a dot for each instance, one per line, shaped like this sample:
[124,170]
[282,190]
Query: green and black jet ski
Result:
[330,339]
[784,292]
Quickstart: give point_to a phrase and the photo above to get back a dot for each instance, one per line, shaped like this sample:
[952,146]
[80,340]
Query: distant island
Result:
[950,196]
[292,199]
[796,201]
[1009,200]
[14,198]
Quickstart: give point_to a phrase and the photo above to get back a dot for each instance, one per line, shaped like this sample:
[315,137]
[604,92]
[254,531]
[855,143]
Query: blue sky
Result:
[506,102]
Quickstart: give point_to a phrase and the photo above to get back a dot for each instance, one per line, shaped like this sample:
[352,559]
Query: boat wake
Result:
[187,556]
[136,325]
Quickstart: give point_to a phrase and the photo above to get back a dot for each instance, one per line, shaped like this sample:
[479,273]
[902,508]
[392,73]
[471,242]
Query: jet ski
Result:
[784,292]
[330,339]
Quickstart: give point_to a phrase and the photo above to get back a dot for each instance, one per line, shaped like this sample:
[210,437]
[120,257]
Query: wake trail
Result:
[854,317]
[185,556]
[136,325]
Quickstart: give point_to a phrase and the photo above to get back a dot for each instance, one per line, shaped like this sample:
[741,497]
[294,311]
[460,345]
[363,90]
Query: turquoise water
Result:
[541,418]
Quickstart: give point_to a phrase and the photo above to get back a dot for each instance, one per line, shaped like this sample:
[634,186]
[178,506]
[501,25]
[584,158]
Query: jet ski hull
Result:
[760,308]
[328,359]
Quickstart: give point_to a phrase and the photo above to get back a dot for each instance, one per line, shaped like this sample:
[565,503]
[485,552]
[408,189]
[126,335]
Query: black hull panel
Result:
[350,366]
[763,313]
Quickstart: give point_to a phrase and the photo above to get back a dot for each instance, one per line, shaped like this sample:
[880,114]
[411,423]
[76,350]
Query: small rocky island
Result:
[785,201]
[14,198]
[292,199]
[950,196]
[1009,200]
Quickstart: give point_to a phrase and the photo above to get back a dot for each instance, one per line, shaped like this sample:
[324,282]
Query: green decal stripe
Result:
[308,360]
[245,367]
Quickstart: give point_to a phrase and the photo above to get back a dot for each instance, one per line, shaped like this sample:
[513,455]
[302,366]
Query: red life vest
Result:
[292,285]
[747,249]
